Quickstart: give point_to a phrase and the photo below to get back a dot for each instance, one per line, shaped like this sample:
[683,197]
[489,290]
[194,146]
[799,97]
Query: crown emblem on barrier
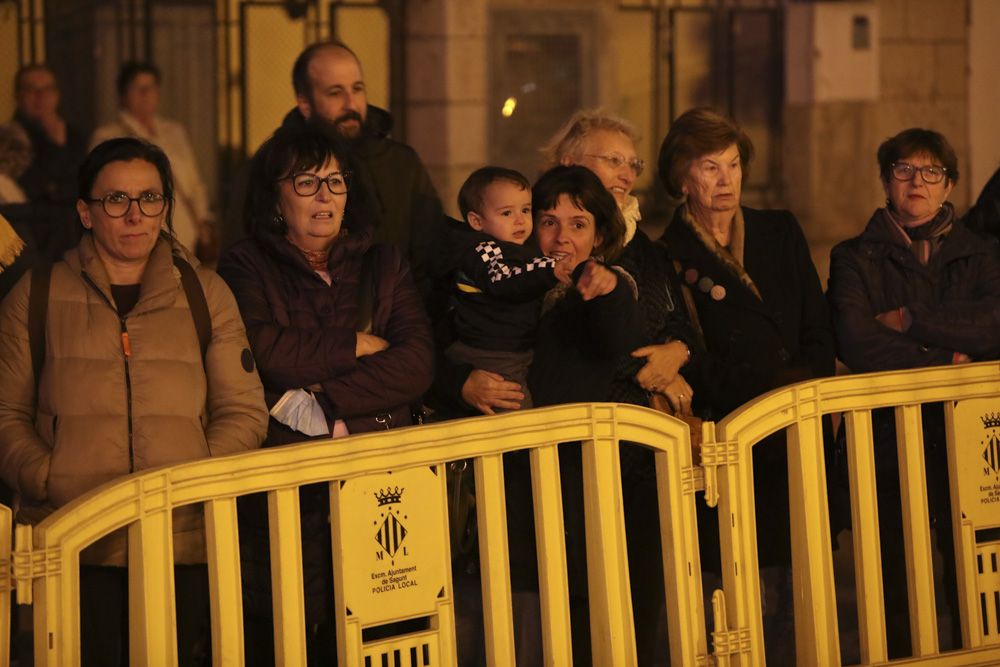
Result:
[991,420]
[388,495]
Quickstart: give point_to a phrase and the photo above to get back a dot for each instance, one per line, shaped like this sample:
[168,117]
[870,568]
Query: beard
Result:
[339,128]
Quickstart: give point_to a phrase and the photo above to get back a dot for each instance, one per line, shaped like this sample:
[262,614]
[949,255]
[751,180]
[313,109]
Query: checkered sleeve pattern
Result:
[492,255]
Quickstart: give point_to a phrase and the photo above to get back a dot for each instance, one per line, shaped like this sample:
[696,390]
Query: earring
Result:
[278,220]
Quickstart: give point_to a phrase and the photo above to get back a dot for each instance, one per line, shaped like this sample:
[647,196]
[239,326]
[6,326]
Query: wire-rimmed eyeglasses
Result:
[306,184]
[931,173]
[618,161]
[117,204]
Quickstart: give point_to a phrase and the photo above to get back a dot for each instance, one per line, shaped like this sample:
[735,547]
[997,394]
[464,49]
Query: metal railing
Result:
[388,503]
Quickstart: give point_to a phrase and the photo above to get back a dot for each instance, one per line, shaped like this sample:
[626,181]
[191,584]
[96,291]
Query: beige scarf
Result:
[11,244]
[730,257]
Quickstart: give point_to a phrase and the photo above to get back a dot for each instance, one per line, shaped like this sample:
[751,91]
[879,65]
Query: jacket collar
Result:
[136,128]
[159,282]
[692,255]
[959,243]
[353,243]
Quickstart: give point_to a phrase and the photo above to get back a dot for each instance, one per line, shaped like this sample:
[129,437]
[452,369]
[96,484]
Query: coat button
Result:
[784,355]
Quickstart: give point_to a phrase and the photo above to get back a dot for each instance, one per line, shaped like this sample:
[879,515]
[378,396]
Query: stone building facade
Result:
[448,69]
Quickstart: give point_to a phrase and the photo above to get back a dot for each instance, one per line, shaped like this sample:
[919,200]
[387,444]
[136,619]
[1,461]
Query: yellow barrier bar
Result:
[964,540]
[612,634]
[491,512]
[728,468]
[6,583]
[679,546]
[546,490]
[865,533]
[286,577]
[916,530]
[817,637]
[222,542]
[152,618]
[738,539]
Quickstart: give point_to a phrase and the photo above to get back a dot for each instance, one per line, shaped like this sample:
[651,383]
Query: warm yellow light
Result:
[508,107]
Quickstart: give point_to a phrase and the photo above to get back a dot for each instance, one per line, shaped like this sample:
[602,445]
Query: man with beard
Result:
[330,93]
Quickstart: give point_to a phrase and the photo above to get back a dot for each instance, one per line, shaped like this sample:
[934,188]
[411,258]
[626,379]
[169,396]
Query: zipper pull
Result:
[126,346]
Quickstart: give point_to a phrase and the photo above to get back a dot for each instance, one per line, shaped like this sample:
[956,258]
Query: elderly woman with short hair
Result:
[916,288]
[753,292]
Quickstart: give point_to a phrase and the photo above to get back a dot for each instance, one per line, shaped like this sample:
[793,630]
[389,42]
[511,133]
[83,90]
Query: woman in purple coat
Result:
[340,338]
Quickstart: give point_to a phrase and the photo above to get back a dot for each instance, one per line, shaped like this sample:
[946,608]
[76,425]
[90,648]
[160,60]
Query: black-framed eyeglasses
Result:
[306,184]
[618,161]
[117,204]
[904,171]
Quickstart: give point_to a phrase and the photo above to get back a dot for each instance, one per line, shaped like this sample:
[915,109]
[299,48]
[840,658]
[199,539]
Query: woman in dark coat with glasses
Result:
[340,337]
[916,288]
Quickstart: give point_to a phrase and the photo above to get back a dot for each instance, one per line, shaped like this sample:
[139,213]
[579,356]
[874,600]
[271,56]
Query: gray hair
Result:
[568,140]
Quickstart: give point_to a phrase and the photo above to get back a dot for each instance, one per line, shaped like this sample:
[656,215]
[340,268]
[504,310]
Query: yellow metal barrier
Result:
[355,467]
[799,409]
[387,506]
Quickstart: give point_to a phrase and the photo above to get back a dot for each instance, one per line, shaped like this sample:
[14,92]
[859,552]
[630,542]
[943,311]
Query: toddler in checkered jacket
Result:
[500,277]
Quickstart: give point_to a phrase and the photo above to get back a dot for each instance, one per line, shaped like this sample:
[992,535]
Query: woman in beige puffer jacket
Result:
[123,386]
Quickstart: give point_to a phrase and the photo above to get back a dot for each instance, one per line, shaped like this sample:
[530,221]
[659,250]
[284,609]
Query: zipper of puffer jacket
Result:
[127,351]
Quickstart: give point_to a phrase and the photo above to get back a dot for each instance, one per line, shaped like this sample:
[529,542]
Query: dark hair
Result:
[470,196]
[291,150]
[131,70]
[586,191]
[300,70]
[698,132]
[26,69]
[127,149]
[912,142]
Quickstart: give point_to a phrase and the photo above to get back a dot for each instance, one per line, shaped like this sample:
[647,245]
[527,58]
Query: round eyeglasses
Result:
[306,184]
[117,204]
[904,171]
[618,161]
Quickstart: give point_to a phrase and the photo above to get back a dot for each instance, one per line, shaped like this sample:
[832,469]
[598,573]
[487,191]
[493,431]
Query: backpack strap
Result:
[196,303]
[38,311]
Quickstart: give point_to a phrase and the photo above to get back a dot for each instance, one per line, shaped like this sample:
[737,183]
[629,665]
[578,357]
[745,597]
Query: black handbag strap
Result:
[196,303]
[38,310]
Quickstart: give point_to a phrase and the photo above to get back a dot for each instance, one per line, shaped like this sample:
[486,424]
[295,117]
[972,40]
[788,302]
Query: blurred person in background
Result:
[15,156]
[139,99]
[57,149]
